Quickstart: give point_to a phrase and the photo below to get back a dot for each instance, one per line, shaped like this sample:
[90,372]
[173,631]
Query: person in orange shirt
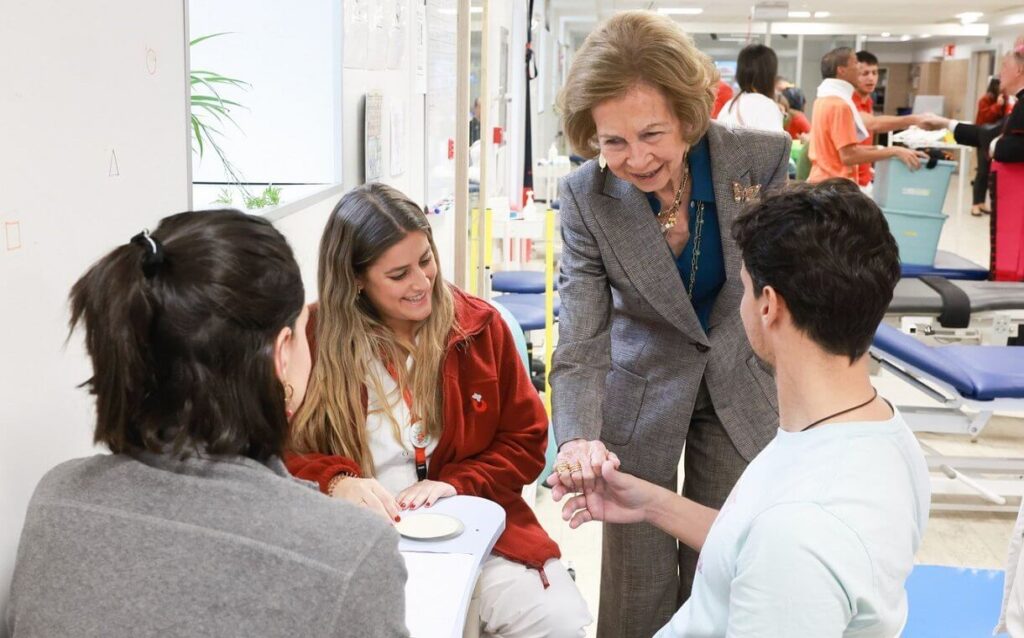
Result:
[867,82]
[837,128]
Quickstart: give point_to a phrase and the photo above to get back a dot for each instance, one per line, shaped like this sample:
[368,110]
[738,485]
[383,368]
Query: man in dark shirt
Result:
[1010,145]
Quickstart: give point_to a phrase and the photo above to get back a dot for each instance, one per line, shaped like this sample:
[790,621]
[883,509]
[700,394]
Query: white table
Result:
[443,574]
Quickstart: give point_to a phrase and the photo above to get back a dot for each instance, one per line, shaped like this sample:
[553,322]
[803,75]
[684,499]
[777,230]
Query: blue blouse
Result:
[710,263]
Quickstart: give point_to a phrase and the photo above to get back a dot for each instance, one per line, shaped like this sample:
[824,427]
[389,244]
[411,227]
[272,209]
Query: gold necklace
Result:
[667,218]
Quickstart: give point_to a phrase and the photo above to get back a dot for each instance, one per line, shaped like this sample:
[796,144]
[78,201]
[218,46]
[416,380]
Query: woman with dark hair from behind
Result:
[754,106]
[193,525]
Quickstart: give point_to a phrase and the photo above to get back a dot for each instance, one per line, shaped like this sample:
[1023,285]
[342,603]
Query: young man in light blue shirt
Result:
[819,534]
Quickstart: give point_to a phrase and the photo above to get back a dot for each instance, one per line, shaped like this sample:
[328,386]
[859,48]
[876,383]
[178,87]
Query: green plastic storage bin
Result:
[899,188]
[917,234]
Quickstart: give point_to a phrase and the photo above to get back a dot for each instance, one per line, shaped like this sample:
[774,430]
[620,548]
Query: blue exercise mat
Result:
[953,602]
[982,373]
[948,265]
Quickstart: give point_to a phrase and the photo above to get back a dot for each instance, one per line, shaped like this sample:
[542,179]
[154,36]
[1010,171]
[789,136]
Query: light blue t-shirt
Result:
[816,538]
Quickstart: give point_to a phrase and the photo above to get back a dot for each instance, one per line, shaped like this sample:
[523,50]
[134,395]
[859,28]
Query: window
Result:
[266,101]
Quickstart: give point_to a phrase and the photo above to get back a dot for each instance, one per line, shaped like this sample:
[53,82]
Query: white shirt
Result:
[752,110]
[394,461]
[816,538]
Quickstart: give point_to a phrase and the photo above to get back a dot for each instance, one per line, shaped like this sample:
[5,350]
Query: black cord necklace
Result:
[840,413]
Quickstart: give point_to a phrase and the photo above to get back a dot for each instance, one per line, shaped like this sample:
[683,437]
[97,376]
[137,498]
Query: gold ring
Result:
[561,467]
[576,467]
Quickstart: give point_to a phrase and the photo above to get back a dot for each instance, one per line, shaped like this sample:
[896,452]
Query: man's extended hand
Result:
[616,497]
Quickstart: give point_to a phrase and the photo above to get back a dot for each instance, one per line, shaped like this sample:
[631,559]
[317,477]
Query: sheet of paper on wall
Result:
[397,138]
[396,49]
[379,35]
[357,20]
[374,140]
[397,38]
[437,593]
[420,30]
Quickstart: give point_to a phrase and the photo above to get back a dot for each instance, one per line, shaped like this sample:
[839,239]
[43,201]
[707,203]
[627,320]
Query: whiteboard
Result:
[98,91]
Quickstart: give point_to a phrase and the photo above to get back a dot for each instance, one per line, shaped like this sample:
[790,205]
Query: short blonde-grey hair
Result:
[631,48]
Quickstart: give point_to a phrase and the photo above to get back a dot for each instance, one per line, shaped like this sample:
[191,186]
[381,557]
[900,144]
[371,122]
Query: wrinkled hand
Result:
[424,493]
[616,497]
[909,156]
[589,454]
[367,492]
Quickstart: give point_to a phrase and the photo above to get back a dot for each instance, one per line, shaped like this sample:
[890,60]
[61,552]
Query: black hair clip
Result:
[154,252]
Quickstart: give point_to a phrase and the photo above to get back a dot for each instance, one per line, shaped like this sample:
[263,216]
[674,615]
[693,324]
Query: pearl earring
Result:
[601,161]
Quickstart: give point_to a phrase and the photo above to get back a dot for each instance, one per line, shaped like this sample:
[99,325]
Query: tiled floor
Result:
[969,539]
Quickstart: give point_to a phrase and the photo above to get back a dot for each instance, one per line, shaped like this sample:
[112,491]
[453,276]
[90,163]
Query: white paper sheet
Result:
[437,593]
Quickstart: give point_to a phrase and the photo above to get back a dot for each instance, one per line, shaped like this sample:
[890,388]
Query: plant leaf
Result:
[207,37]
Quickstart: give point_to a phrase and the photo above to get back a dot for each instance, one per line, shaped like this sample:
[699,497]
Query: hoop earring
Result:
[601,161]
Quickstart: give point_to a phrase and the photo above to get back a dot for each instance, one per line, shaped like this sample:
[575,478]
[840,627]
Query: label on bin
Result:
[918,192]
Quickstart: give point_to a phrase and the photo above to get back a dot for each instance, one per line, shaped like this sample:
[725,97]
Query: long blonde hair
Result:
[350,334]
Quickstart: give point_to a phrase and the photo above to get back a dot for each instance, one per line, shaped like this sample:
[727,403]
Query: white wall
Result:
[82,81]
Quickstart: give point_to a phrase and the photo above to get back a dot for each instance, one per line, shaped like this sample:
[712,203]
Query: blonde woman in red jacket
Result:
[402,356]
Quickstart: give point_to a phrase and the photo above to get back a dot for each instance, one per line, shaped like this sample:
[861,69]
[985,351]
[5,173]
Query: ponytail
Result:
[182,338]
[113,302]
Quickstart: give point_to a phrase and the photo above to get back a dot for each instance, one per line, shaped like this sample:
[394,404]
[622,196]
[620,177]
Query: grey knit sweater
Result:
[116,545]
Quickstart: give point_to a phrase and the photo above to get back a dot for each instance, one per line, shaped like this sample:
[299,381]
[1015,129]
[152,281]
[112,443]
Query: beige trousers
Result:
[513,603]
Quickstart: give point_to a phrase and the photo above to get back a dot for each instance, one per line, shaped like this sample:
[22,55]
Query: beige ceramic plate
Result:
[429,527]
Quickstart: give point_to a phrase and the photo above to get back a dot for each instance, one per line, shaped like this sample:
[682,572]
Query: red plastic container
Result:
[1007,222]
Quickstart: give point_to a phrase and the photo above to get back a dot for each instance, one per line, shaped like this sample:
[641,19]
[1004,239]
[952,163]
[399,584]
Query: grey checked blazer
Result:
[631,352]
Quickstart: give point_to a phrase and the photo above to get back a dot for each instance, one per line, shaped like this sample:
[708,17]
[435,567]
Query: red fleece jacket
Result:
[489,448]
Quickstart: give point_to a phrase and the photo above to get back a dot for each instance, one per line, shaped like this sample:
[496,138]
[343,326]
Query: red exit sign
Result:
[949,50]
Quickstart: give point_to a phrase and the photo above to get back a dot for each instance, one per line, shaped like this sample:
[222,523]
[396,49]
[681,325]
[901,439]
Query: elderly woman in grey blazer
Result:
[651,351]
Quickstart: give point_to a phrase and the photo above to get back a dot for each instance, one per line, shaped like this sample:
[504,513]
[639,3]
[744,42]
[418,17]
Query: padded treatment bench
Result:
[970,383]
[948,265]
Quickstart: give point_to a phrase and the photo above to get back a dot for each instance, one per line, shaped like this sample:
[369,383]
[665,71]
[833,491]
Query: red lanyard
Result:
[416,431]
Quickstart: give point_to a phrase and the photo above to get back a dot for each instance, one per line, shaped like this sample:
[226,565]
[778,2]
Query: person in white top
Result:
[754,106]
[819,534]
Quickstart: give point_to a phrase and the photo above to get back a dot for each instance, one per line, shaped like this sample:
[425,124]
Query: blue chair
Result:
[525,307]
[952,602]
[519,282]
[521,347]
[517,330]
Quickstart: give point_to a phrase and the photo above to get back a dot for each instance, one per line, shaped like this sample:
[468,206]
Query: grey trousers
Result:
[646,575]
